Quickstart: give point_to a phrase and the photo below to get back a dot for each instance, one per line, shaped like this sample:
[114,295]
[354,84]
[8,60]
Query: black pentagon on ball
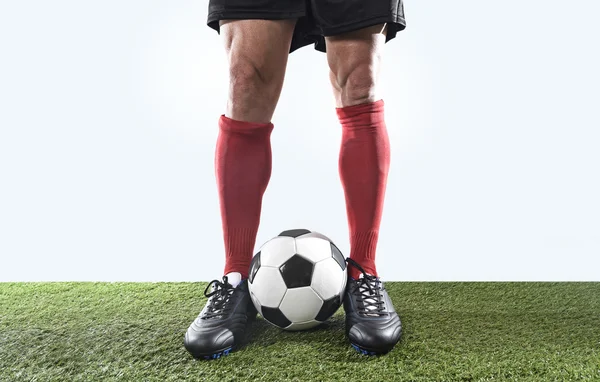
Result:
[294,232]
[275,316]
[337,255]
[329,308]
[297,272]
[254,266]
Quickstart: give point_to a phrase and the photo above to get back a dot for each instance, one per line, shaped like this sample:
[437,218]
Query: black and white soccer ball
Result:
[297,279]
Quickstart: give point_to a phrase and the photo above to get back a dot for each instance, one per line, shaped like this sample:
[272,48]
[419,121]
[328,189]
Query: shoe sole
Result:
[369,352]
[216,355]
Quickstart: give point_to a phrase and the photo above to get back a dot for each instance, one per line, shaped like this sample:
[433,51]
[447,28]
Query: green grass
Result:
[452,332]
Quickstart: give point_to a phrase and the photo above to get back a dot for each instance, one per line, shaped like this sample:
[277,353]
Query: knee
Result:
[246,75]
[252,81]
[355,85]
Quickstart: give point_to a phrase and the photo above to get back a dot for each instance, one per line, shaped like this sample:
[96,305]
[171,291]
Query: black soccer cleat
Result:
[372,324]
[223,322]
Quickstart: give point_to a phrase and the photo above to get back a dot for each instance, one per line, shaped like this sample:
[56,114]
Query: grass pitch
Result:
[452,332]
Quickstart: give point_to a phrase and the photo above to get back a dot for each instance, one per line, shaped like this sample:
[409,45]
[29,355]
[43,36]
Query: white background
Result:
[108,114]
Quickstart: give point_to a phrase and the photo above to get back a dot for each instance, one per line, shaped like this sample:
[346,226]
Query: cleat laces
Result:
[369,288]
[218,298]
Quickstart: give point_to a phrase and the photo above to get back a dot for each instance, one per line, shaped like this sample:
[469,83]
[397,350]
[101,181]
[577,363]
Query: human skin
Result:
[257,54]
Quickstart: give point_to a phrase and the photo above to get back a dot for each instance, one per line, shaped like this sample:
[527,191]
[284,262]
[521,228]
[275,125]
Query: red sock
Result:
[364,163]
[243,170]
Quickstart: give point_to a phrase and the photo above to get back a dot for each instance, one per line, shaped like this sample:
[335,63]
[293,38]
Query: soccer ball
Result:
[297,279]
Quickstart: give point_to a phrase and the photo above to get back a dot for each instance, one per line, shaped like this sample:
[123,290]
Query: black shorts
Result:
[316,18]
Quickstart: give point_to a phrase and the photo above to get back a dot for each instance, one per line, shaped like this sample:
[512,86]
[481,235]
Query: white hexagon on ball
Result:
[268,286]
[328,278]
[301,304]
[313,248]
[277,251]
[255,302]
[303,325]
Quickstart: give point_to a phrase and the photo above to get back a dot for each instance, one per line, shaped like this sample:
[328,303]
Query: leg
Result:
[354,59]
[372,324]
[257,52]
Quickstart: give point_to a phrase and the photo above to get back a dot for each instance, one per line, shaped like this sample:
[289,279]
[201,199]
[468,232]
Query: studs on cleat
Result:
[362,351]
[219,354]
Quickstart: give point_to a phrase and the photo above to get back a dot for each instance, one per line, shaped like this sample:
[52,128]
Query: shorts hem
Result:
[215,17]
[364,23]
[395,23]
